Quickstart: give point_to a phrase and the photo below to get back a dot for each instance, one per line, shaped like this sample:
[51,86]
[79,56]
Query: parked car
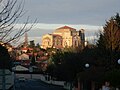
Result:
[22,79]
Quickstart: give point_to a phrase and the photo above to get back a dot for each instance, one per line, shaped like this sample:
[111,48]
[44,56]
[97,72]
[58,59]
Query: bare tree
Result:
[10,13]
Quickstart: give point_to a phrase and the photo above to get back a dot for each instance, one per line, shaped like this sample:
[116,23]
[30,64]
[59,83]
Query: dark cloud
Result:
[93,12]
[39,32]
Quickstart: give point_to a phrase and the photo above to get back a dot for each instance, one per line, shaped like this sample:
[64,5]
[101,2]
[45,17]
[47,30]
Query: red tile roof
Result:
[24,48]
[42,58]
[67,27]
[27,48]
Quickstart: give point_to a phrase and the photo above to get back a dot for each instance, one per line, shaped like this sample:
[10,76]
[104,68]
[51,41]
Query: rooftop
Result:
[66,27]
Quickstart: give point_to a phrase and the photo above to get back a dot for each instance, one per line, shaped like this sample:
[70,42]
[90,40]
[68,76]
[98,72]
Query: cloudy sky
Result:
[86,14]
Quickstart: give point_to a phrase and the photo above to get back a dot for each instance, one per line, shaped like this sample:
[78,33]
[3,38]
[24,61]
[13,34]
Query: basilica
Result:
[64,37]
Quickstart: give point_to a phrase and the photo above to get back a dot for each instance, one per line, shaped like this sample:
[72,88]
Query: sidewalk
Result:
[45,79]
[58,83]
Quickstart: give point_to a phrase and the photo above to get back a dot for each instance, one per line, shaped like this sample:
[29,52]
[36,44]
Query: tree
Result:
[66,65]
[117,18]
[33,59]
[109,40]
[5,63]
[10,13]
[113,76]
[108,46]
[32,44]
[5,60]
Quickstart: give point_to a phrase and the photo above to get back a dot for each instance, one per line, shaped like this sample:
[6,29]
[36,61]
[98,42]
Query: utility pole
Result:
[3,79]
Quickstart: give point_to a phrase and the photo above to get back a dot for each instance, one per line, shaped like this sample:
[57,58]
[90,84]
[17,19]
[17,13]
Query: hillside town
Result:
[63,59]
[27,53]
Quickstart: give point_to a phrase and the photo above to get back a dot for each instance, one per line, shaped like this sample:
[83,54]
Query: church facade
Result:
[64,37]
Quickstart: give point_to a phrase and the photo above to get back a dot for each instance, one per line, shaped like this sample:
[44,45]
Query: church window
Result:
[65,43]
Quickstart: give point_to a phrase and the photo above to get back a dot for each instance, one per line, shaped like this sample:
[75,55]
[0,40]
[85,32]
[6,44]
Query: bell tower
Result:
[26,40]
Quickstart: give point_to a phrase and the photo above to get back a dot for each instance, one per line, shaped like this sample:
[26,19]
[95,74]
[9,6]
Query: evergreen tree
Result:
[109,41]
[32,44]
[117,18]
[109,49]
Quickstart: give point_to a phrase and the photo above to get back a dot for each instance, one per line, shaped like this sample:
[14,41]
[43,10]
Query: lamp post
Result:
[14,69]
[30,70]
[118,61]
[14,72]
[80,84]
[87,65]
[91,83]
[119,64]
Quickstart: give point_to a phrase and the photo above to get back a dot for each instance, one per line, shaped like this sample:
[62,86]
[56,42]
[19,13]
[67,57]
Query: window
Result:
[65,43]
[75,43]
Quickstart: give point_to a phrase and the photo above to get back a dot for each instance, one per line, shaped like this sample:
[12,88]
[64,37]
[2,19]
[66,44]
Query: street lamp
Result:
[118,61]
[87,65]
[85,72]
[30,70]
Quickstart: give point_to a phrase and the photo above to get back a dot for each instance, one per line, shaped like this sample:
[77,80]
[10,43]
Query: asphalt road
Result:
[35,85]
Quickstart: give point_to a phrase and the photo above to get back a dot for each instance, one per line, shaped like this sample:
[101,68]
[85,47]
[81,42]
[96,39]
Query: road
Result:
[35,85]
